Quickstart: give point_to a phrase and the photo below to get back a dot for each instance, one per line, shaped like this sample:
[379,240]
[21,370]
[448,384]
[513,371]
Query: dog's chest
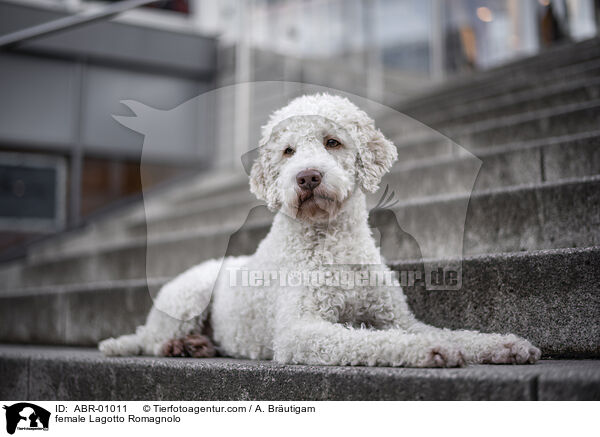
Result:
[347,294]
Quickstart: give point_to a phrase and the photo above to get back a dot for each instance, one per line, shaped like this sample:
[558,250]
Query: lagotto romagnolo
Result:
[318,156]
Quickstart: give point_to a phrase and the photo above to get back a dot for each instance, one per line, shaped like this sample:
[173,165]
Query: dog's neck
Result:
[323,240]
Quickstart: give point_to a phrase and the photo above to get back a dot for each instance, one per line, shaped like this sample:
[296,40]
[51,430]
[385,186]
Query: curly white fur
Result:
[314,323]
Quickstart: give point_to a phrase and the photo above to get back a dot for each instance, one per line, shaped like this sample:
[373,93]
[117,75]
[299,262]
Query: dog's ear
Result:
[258,182]
[376,154]
[262,179]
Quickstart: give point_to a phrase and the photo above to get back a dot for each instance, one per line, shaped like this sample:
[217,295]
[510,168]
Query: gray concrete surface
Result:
[557,94]
[550,297]
[545,123]
[44,373]
[558,64]
[505,93]
[564,157]
[512,219]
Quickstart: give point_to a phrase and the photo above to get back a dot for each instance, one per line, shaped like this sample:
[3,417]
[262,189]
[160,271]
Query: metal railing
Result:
[16,38]
[102,13]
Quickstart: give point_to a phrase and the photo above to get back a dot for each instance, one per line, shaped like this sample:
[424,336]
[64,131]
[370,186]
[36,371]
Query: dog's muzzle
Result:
[308,180]
[314,200]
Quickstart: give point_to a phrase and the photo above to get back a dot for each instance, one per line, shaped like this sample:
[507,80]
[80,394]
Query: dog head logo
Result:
[315,156]
[26,416]
[319,150]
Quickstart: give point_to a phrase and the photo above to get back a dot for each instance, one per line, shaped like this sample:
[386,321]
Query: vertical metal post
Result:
[243,76]
[524,32]
[76,158]
[373,58]
[436,41]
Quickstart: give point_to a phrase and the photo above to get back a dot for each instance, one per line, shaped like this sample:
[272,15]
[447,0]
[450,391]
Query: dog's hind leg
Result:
[192,345]
[180,308]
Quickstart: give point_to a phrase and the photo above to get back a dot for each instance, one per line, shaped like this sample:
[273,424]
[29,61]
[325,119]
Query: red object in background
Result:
[182,6]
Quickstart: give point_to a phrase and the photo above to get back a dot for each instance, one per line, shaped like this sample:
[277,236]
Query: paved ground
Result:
[48,373]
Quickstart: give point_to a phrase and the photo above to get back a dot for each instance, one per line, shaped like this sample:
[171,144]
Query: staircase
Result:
[531,257]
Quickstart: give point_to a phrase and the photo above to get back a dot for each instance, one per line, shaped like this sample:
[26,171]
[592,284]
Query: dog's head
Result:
[314,153]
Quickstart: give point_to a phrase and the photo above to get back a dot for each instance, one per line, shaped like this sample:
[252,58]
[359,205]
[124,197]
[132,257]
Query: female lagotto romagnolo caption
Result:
[318,156]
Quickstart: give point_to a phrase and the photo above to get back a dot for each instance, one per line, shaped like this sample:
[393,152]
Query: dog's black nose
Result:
[308,179]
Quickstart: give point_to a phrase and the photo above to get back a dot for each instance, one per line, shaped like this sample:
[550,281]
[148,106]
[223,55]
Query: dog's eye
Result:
[332,143]
[288,151]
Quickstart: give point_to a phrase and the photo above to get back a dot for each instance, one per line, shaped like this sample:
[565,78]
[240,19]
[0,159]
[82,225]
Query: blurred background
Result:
[65,161]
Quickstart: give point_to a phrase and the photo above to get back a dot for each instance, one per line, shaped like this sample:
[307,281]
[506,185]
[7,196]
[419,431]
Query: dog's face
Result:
[313,162]
[314,153]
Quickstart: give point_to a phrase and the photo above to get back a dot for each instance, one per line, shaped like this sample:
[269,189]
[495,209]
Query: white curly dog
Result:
[318,157]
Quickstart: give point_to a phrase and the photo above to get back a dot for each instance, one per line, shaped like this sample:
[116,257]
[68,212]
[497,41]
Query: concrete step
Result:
[48,373]
[484,85]
[210,192]
[551,297]
[562,157]
[491,90]
[536,65]
[539,216]
[219,214]
[529,224]
[426,146]
[489,97]
[546,123]
[77,314]
[112,228]
[205,204]
[429,145]
[566,157]
[127,259]
[559,94]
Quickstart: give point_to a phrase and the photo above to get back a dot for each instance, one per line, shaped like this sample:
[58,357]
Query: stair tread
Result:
[472,84]
[92,286]
[523,293]
[445,211]
[73,373]
[439,163]
[490,106]
[239,182]
[437,168]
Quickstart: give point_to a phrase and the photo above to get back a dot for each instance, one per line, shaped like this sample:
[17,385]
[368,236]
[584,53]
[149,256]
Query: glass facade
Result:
[407,34]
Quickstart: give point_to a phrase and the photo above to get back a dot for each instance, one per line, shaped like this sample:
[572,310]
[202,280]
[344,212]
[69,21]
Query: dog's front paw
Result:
[514,351]
[112,347]
[439,356]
